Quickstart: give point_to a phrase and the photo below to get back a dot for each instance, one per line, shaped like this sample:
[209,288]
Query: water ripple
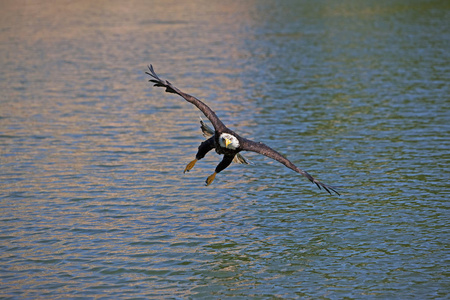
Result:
[93,199]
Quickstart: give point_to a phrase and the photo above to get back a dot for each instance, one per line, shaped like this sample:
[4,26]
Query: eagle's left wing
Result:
[248,145]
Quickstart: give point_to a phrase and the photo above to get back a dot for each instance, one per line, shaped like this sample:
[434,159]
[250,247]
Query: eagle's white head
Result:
[228,141]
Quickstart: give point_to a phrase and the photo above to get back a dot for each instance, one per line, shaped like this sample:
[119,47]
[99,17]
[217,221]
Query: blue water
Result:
[93,200]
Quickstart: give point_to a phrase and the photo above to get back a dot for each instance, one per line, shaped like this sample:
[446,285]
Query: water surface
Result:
[93,201]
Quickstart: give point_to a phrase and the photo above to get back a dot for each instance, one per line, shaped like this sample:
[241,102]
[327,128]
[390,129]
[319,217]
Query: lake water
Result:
[93,200]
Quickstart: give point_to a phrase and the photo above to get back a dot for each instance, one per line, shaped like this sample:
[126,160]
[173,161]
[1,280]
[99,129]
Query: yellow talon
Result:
[210,178]
[190,166]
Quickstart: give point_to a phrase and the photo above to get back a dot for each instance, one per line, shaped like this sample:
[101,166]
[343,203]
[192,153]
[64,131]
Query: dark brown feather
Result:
[208,112]
[248,145]
[245,144]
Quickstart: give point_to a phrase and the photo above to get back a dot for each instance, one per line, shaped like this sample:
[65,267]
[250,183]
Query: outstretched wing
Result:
[248,145]
[209,113]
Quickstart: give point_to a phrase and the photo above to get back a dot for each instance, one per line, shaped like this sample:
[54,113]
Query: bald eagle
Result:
[227,142]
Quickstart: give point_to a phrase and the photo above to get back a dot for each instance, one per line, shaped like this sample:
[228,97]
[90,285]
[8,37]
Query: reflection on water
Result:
[93,199]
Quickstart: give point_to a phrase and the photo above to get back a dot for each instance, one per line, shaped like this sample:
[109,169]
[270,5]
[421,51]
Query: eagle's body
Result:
[226,142]
[208,133]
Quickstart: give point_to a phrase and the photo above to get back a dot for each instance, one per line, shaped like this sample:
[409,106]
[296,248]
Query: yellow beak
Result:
[227,142]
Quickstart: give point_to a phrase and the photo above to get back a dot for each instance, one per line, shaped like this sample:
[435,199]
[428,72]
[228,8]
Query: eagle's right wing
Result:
[208,112]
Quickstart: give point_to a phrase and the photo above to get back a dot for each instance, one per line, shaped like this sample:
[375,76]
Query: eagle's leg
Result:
[204,148]
[210,178]
[190,166]
[226,161]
